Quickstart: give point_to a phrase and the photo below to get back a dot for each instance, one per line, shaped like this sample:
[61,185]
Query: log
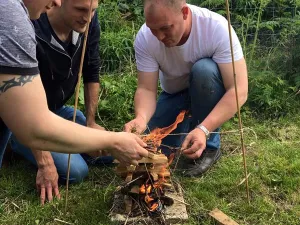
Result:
[222,218]
[128,203]
[142,168]
[155,159]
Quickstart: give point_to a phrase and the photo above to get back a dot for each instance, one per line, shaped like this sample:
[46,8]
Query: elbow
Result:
[34,136]
[243,98]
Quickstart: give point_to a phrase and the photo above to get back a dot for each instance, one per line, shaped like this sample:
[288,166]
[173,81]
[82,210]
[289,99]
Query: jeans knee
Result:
[205,70]
[80,118]
[78,173]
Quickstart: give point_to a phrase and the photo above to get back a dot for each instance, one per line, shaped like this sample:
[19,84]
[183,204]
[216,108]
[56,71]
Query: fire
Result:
[158,134]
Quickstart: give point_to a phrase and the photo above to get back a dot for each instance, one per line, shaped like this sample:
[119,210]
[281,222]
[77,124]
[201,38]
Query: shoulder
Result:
[145,37]
[206,15]
[17,37]
[14,15]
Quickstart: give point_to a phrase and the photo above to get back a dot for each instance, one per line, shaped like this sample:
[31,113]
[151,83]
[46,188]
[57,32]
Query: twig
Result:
[61,221]
[15,205]
[127,218]
[77,95]
[237,103]
[242,181]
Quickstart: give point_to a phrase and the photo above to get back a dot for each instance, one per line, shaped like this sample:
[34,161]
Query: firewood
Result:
[128,203]
[135,189]
[154,176]
[222,218]
[156,159]
[142,168]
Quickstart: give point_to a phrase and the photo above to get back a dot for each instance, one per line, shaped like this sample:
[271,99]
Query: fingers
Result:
[56,192]
[195,155]
[134,162]
[186,142]
[43,195]
[192,149]
[49,193]
[127,127]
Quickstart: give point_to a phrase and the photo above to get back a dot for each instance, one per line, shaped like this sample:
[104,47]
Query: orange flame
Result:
[158,134]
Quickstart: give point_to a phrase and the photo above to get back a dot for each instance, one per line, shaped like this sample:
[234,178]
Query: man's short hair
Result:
[176,4]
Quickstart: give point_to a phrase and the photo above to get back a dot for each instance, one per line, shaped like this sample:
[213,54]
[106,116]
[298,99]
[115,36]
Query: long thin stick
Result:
[77,95]
[237,103]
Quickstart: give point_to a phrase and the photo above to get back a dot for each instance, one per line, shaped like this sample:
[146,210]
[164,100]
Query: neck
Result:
[188,29]
[62,31]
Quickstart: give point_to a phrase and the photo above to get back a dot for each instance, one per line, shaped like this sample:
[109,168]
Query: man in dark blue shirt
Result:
[59,35]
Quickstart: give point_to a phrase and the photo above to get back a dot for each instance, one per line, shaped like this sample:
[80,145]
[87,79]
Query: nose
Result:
[57,2]
[53,3]
[159,35]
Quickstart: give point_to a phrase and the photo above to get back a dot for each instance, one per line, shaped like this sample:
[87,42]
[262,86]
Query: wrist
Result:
[43,159]
[90,122]
[204,130]
[142,118]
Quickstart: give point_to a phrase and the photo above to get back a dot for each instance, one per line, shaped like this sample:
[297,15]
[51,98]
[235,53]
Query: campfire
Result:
[148,188]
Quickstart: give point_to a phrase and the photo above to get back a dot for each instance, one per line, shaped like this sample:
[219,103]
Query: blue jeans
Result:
[79,167]
[205,91]
[4,138]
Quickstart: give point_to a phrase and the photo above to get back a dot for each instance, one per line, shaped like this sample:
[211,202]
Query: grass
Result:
[273,161]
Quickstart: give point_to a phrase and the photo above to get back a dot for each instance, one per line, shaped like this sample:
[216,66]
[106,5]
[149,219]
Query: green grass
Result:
[273,161]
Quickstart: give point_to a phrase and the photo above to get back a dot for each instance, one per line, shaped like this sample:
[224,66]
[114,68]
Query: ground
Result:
[273,160]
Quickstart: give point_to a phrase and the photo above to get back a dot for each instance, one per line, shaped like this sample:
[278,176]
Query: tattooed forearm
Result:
[14,82]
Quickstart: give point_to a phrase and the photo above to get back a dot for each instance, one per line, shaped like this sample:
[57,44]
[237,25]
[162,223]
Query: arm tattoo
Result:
[14,82]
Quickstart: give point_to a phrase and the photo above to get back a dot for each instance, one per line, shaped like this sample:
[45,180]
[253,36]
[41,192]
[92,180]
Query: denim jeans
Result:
[79,167]
[205,91]
[4,138]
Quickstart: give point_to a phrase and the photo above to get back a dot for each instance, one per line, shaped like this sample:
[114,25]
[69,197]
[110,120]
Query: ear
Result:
[185,12]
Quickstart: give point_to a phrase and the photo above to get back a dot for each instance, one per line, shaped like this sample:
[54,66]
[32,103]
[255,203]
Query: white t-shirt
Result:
[209,38]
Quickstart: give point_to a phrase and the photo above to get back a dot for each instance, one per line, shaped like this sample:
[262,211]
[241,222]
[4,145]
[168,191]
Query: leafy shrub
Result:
[270,96]
[116,104]
[116,50]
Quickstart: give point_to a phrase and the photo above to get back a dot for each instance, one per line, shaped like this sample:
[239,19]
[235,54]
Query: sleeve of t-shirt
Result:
[222,53]
[17,40]
[144,60]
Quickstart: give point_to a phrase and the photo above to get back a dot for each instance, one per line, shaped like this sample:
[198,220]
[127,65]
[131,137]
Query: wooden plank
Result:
[222,218]
[142,168]
[155,159]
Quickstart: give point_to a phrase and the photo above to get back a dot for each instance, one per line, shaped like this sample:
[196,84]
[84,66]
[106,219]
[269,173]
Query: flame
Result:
[153,206]
[158,134]
[145,189]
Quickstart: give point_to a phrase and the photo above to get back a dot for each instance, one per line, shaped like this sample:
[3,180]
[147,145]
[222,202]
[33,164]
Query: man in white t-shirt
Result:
[187,48]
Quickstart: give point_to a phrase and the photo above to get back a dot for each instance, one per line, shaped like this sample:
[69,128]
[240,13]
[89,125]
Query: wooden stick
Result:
[222,218]
[61,221]
[237,103]
[77,95]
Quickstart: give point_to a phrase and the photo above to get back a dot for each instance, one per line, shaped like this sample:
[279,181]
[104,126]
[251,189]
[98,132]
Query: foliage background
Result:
[268,31]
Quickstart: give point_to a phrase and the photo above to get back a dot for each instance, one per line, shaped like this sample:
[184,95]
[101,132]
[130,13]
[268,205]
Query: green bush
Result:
[270,96]
[116,104]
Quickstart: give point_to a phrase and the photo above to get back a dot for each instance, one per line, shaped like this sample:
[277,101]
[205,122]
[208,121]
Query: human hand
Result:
[47,183]
[194,144]
[128,148]
[137,125]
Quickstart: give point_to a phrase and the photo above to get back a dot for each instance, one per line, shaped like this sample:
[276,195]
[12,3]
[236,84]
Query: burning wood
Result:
[145,191]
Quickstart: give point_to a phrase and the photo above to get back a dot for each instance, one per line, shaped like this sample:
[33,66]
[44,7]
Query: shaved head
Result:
[174,4]
[168,20]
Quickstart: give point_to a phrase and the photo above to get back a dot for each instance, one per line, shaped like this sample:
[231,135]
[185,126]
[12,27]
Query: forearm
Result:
[42,158]
[91,94]
[144,104]
[224,110]
[59,135]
